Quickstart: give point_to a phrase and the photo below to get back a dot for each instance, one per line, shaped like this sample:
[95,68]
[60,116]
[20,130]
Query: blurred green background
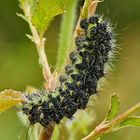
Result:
[19,63]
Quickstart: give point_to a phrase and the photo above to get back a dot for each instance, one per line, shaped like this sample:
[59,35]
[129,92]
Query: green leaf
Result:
[9,98]
[45,12]
[114,107]
[66,31]
[131,121]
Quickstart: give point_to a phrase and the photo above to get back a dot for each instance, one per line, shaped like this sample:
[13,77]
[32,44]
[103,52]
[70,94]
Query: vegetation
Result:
[39,14]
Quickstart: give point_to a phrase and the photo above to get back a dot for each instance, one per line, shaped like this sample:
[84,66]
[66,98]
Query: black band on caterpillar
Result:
[81,78]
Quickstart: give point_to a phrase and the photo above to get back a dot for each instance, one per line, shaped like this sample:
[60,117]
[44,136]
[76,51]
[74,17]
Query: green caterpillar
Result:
[81,77]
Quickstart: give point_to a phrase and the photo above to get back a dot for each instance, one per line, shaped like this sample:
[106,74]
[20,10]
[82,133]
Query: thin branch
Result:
[88,10]
[85,10]
[92,7]
[124,115]
[105,127]
[83,14]
[39,42]
[46,134]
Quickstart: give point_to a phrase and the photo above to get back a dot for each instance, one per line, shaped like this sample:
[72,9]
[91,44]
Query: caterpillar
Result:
[81,77]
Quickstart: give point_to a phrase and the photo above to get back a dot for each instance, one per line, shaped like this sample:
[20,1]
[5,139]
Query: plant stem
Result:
[39,42]
[84,13]
[46,134]
[92,7]
[108,127]
[124,115]
[88,10]
[66,31]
